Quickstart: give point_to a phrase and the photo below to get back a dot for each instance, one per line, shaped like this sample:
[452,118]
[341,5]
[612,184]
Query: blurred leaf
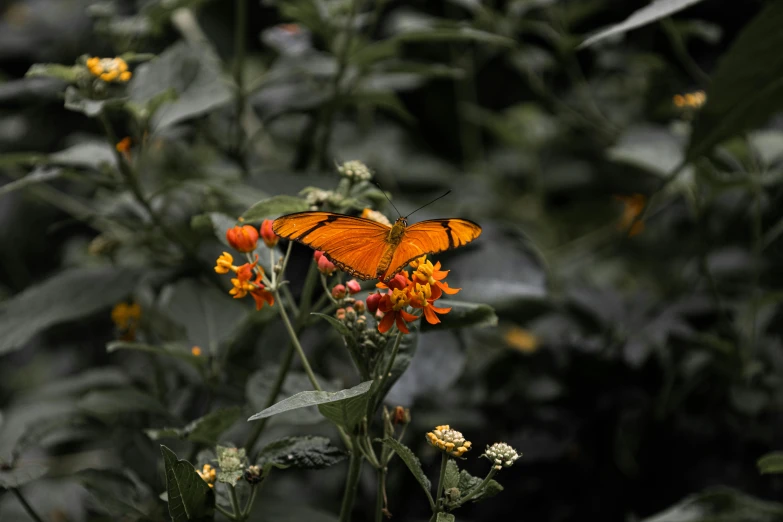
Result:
[413,464]
[382,100]
[720,505]
[205,430]
[118,492]
[193,72]
[273,207]
[176,350]
[747,86]
[120,401]
[445,517]
[208,315]
[652,148]
[463,315]
[336,411]
[39,175]
[88,290]
[87,155]
[453,34]
[405,354]
[771,463]
[75,101]
[655,11]
[55,70]
[189,497]
[309,452]
[19,476]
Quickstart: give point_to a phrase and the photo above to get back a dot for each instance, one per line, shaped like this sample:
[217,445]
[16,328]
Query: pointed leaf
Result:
[115,402]
[273,207]
[451,480]
[312,398]
[205,430]
[308,452]
[190,498]
[348,412]
[771,463]
[655,11]
[69,295]
[747,86]
[413,464]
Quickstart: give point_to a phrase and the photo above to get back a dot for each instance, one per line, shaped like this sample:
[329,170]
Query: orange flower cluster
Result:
[633,206]
[250,276]
[419,290]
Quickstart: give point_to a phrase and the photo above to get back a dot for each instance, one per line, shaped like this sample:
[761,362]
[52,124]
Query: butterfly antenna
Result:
[430,203]
[387,198]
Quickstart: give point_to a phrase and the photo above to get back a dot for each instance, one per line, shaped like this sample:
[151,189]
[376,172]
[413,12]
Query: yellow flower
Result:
[448,440]
[691,100]
[109,69]
[196,351]
[225,264]
[523,340]
[125,315]
[207,474]
[374,215]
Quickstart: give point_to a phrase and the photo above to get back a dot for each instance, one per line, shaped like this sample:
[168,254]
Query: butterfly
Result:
[370,250]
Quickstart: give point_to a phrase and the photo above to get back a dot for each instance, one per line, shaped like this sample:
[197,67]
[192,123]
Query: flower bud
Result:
[401,415]
[501,455]
[350,313]
[373,300]
[359,307]
[267,234]
[355,171]
[398,282]
[340,314]
[253,475]
[452,494]
[338,292]
[242,239]
[325,266]
[353,286]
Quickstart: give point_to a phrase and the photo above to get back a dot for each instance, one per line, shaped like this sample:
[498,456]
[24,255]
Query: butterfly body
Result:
[370,250]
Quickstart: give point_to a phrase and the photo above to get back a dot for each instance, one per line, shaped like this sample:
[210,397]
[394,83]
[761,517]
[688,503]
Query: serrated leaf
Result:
[192,71]
[451,479]
[771,463]
[445,517]
[189,497]
[342,407]
[69,295]
[274,206]
[120,401]
[309,452]
[463,315]
[205,430]
[19,476]
[747,86]
[412,461]
[468,483]
[655,11]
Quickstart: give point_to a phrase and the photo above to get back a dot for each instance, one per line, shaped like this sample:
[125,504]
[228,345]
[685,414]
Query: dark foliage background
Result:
[636,374]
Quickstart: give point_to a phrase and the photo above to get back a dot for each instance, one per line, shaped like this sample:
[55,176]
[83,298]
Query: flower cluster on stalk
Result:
[250,278]
[110,70]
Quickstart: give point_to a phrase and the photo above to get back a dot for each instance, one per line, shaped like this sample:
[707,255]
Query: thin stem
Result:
[331,108]
[757,248]
[297,345]
[681,52]
[380,495]
[328,292]
[26,505]
[249,506]
[225,512]
[232,496]
[444,461]
[478,488]
[351,483]
[393,355]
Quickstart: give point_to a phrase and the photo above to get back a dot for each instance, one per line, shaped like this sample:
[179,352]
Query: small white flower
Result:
[355,170]
[501,455]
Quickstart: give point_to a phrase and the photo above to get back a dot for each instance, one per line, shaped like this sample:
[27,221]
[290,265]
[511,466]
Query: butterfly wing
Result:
[430,237]
[355,245]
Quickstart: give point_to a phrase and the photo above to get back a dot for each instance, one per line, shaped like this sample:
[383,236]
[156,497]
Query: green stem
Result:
[351,483]
[226,513]
[475,491]
[681,52]
[757,248]
[240,45]
[444,461]
[27,507]
[232,496]
[393,356]
[249,506]
[380,497]
[331,108]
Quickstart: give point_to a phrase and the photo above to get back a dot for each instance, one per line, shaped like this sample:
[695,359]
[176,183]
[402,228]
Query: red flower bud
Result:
[325,266]
[340,314]
[267,234]
[338,292]
[242,239]
[317,255]
[359,307]
[353,286]
[398,282]
[373,300]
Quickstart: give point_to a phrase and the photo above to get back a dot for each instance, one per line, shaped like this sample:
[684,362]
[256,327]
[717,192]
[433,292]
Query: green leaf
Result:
[205,430]
[19,476]
[274,206]
[348,412]
[335,411]
[87,155]
[69,295]
[388,101]
[747,86]
[208,315]
[445,517]
[453,34]
[771,463]
[463,315]
[412,461]
[451,479]
[652,148]
[39,175]
[655,11]
[75,101]
[720,504]
[119,492]
[259,387]
[190,498]
[193,72]
[55,70]
[120,401]
[338,325]
[176,350]
[405,354]
[309,452]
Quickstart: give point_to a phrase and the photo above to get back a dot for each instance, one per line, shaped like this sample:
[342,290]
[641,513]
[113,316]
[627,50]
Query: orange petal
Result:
[429,315]
[401,326]
[440,310]
[446,289]
[408,317]
[386,323]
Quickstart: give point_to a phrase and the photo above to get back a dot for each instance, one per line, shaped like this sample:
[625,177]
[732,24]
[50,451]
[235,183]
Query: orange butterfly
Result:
[370,250]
